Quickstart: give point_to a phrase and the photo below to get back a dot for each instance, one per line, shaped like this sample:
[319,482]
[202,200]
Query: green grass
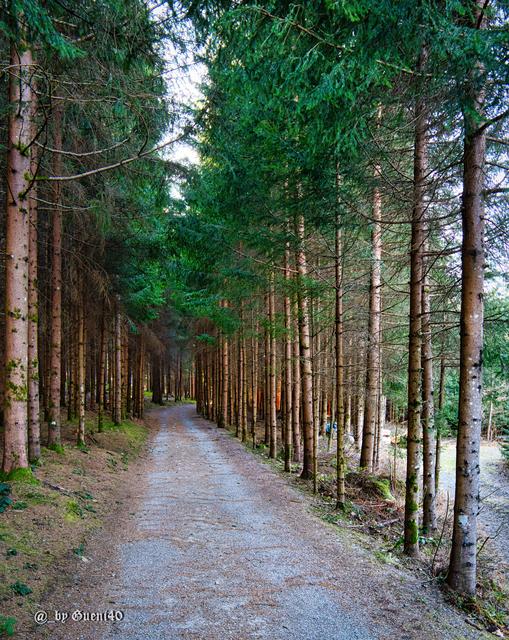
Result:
[57,448]
[7,625]
[136,434]
[73,511]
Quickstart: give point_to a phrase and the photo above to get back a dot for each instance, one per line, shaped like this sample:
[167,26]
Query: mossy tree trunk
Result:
[16,260]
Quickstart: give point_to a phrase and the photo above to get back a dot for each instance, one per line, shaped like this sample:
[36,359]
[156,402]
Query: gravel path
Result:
[216,546]
[494,483]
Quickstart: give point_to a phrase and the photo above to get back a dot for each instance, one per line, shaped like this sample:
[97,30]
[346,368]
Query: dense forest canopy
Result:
[337,259]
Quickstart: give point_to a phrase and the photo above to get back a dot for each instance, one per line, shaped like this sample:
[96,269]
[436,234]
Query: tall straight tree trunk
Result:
[462,568]
[374,321]
[272,372]
[429,520]
[266,390]
[340,439]
[296,388]
[16,261]
[439,422]
[117,382]
[288,365]
[125,374]
[411,541]
[305,355]
[81,373]
[243,378]
[54,417]
[100,373]
[34,417]
[316,350]
[223,417]
[348,390]
[254,373]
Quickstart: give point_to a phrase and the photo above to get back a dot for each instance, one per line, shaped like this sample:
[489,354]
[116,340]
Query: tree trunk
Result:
[100,373]
[242,379]
[340,437]
[34,418]
[272,372]
[411,543]
[429,520]
[288,365]
[117,382]
[305,356]
[489,428]
[296,389]
[439,422]
[223,417]
[54,418]
[373,352]
[16,262]
[462,568]
[81,374]
[254,371]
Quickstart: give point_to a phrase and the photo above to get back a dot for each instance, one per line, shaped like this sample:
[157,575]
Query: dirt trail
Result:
[216,546]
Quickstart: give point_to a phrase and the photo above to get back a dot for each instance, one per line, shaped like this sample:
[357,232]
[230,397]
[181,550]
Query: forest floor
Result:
[212,544]
[45,527]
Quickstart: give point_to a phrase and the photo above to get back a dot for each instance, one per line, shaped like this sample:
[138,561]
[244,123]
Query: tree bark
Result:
[340,410]
[296,388]
[305,356]
[373,352]
[462,568]
[34,417]
[16,261]
[117,381]
[100,373]
[254,372]
[223,417]
[288,364]
[81,374]
[439,422]
[272,372]
[54,418]
[429,519]
[411,542]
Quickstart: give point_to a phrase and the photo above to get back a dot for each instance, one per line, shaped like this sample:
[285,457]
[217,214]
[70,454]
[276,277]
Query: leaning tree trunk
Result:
[462,568]
[16,261]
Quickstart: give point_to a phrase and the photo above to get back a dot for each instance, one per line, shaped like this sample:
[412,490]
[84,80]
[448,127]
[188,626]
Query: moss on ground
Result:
[54,507]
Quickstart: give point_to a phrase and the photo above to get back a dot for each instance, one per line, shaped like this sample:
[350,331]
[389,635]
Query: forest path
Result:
[217,546]
[494,491]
